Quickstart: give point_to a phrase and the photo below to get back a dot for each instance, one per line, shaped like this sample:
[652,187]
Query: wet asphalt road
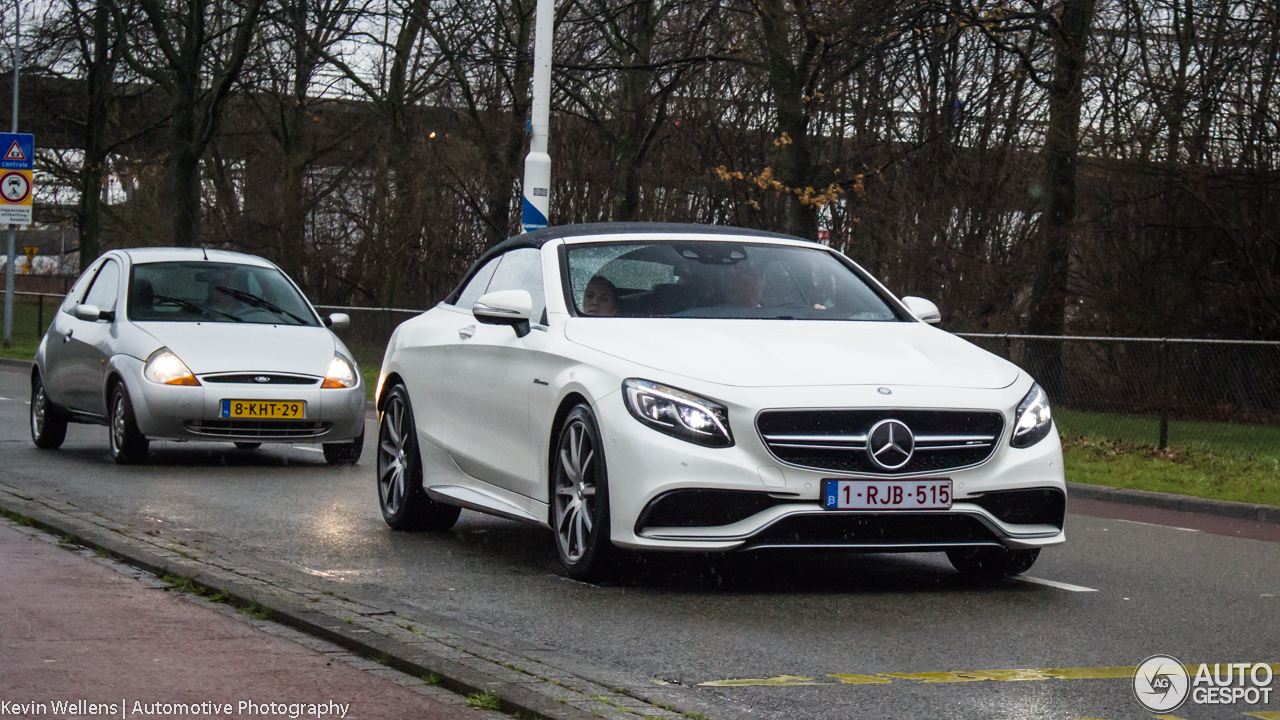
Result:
[1198,596]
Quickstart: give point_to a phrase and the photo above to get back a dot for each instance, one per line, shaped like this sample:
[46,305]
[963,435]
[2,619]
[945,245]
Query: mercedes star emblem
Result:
[890,444]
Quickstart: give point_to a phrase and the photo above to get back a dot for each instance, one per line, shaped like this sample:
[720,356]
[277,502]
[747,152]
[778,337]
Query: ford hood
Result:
[788,353]
[244,347]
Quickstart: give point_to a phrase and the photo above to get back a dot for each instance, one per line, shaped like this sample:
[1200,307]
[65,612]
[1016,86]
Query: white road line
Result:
[5,398]
[1056,584]
[1171,527]
[309,449]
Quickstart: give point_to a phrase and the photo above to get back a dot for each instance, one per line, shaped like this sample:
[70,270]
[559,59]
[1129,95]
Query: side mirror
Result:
[505,307]
[338,322]
[88,313]
[923,309]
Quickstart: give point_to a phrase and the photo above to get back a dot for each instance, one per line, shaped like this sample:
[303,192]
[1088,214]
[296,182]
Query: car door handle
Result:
[466,332]
[68,335]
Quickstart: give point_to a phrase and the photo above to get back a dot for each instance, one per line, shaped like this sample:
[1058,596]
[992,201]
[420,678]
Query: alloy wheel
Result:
[393,455]
[38,410]
[575,500]
[117,423]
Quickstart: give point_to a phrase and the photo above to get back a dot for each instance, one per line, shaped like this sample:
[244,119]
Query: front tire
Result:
[990,563]
[128,444]
[48,425]
[405,505]
[580,497]
[344,453]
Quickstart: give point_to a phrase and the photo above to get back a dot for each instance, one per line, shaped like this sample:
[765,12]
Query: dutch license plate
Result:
[264,409]
[927,494]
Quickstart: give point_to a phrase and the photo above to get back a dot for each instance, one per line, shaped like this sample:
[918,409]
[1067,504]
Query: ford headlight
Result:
[341,374]
[678,413]
[165,368]
[1034,421]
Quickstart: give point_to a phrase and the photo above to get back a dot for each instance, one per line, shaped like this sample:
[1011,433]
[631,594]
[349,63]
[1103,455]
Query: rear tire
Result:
[128,444]
[48,424]
[580,498]
[990,562]
[404,502]
[248,445]
[344,453]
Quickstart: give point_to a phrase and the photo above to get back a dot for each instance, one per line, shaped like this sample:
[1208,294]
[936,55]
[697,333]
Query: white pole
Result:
[8,265]
[537,164]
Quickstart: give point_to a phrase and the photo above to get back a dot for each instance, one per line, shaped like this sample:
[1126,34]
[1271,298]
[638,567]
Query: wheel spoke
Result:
[580,532]
[589,491]
[586,516]
[566,520]
[390,449]
[565,490]
[569,468]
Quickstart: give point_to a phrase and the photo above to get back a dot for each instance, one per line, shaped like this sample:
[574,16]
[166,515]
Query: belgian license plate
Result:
[924,494]
[264,409]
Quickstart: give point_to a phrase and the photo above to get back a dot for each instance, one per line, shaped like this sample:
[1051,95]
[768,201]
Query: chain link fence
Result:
[1217,396]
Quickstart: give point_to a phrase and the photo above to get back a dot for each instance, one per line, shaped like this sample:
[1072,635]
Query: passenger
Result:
[600,298]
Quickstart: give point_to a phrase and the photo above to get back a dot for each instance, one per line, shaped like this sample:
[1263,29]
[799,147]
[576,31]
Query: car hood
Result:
[242,347]
[789,353]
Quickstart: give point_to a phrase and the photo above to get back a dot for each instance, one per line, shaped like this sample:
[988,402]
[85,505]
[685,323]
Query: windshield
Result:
[215,292]
[719,280]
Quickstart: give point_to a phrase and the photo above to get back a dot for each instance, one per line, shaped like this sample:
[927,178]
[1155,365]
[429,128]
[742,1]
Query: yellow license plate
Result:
[264,409]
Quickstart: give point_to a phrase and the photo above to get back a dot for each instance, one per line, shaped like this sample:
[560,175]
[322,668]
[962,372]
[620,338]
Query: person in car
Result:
[600,298]
[743,287]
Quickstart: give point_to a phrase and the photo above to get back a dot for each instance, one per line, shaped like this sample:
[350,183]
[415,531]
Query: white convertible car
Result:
[698,388]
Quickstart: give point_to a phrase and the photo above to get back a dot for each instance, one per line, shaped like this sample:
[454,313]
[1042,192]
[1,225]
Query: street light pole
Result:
[8,265]
[537,164]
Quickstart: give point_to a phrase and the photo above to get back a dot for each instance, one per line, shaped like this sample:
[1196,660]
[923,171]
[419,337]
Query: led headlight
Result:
[165,368]
[1034,420]
[342,374]
[678,413]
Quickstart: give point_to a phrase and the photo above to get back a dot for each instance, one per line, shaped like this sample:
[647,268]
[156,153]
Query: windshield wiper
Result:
[193,306]
[256,301]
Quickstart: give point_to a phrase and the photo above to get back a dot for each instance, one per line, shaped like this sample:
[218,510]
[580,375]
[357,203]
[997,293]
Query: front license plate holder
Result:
[263,409]
[887,495]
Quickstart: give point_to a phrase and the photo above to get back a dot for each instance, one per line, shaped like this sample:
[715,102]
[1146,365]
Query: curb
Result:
[458,671]
[15,362]
[1182,503]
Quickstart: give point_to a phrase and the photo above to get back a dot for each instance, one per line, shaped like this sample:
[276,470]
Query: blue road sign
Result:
[17,151]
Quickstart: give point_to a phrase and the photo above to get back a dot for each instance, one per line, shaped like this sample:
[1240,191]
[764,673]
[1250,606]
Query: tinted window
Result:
[719,280]
[522,270]
[105,287]
[215,292]
[476,287]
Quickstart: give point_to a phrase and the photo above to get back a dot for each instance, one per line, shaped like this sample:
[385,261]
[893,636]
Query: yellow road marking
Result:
[1269,715]
[959,676]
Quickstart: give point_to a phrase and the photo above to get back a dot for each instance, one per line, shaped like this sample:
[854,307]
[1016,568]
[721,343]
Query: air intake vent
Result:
[259,429]
[261,379]
[836,440]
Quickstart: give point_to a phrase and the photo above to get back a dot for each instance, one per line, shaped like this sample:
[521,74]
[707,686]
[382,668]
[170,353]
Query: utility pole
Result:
[13,240]
[537,164]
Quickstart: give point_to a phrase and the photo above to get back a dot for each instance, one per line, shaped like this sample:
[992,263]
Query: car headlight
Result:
[678,413]
[165,368]
[342,374]
[1034,421]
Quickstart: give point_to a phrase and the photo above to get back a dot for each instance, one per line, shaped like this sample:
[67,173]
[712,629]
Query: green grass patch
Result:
[485,701]
[1179,470]
[26,336]
[1215,437]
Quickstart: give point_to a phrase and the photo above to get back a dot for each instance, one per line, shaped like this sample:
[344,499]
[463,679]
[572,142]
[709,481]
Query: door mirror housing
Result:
[91,313]
[505,307]
[923,309]
[338,322]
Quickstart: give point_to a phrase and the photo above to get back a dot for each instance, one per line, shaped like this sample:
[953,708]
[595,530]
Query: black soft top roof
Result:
[538,238]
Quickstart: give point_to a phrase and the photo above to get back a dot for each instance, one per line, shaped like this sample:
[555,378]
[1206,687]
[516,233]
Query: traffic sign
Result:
[31,258]
[15,197]
[19,151]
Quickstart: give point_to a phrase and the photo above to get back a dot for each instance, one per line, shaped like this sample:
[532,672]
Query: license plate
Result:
[264,409]
[930,494]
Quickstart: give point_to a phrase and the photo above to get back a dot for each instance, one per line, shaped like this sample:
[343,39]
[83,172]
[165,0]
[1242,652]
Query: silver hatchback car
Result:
[192,344]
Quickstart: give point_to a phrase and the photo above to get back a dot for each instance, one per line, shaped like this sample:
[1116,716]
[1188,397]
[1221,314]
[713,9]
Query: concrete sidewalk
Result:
[76,628]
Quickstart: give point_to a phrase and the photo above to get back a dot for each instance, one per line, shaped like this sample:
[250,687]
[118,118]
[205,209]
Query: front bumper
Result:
[180,412]
[645,464]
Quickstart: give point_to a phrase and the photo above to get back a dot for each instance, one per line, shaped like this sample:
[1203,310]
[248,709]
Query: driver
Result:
[600,299]
[743,287]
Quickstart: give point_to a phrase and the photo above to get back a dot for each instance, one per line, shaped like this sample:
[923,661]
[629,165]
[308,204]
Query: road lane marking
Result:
[1171,527]
[1267,715]
[1056,584]
[957,676]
